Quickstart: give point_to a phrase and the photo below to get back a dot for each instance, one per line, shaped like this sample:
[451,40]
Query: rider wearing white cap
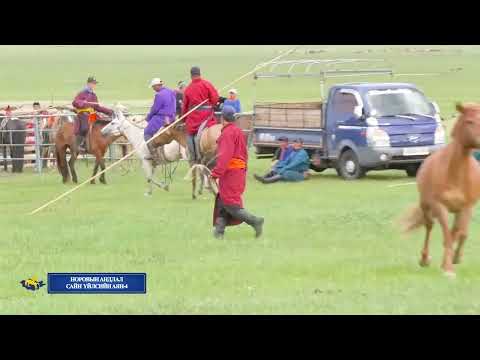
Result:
[162,112]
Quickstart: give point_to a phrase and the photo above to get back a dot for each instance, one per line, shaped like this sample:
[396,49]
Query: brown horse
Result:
[97,145]
[449,182]
[208,148]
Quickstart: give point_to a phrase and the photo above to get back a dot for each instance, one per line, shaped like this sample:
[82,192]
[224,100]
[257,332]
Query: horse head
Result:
[114,127]
[467,128]
[176,132]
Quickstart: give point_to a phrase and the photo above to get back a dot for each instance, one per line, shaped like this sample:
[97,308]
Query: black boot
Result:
[219,229]
[272,179]
[267,175]
[245,216]
[258,177]
[80,144]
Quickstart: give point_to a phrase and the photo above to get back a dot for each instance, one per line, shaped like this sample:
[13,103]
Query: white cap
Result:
[233,91]
[156,81]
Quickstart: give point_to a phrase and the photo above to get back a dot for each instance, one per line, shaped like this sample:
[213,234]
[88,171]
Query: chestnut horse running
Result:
[449,182]
[97,145]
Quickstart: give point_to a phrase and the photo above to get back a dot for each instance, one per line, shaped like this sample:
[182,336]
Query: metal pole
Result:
[38,145]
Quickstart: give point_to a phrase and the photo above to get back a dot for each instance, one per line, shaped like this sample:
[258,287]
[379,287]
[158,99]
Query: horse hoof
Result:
[450,274]
[424,262]
[147,194]
[457,260]
[92,182]
[166,188]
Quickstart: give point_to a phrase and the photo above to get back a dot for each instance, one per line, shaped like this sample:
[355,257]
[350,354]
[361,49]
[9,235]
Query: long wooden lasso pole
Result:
[159,133]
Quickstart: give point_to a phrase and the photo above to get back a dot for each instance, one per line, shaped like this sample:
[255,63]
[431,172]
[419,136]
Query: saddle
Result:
[91,126]
[198,136]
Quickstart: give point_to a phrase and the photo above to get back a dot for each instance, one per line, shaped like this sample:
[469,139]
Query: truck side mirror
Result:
[358,112]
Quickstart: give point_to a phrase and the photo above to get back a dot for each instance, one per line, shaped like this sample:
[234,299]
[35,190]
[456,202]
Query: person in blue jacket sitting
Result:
[233,101]
[279,158]
[294,168]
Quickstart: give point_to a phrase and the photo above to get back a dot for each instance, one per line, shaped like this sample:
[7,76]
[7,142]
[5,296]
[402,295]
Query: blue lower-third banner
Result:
[97,283]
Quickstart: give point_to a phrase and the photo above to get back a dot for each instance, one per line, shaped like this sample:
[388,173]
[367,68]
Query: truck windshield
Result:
[398,102]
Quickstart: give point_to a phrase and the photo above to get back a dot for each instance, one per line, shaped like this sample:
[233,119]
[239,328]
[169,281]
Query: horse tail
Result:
[412,219]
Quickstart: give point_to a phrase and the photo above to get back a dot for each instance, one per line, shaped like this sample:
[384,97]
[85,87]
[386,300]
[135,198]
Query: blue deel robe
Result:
[283,161]
[295,165]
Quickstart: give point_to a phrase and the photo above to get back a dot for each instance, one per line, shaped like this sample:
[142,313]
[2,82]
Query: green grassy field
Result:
[329,247]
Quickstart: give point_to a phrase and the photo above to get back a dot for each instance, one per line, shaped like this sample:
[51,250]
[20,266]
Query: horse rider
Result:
[231,172]
[86,106]
[162,113]
[196,92]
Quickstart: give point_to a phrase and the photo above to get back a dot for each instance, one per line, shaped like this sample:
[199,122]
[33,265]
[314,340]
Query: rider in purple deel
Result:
[163,112]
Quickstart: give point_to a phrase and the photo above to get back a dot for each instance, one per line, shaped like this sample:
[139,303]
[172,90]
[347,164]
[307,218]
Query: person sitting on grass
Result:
[280,156]
[295,168]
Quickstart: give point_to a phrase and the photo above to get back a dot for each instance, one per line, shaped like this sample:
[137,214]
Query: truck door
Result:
[341,121]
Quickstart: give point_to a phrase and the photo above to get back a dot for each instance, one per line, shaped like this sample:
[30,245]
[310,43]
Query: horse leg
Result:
[460,231]
[201,180]
[148,170]
[194,181]
[441,213]
[5,167]
[102,177]
[71,165]
[61,155]
[95,169]
[425,259]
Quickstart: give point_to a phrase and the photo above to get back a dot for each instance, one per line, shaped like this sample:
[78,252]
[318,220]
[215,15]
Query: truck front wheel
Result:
[412,170]
[349,167]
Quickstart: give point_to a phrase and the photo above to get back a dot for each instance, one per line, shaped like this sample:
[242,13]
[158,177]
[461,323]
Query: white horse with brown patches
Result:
[134,133]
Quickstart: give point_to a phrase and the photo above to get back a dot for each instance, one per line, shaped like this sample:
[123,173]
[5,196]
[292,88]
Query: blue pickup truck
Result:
[360,127]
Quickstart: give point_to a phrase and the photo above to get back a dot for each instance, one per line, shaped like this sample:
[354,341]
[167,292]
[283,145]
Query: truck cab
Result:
[375,126]
[360,127]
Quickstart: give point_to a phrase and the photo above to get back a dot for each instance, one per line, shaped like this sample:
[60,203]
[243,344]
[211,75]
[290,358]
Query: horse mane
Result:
[101,123]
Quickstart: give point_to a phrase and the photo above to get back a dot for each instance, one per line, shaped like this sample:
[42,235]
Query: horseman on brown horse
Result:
[86,106]
[86,124]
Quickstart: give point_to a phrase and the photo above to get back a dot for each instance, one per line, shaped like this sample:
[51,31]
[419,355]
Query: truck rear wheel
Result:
[412,170]
[349,167]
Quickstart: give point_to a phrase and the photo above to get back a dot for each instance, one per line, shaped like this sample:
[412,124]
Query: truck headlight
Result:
[377,137]
[439,134]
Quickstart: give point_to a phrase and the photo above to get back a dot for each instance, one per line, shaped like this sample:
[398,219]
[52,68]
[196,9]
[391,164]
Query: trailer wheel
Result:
[349,167]
[412,170]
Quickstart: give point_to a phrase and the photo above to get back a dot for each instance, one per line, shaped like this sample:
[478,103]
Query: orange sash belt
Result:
[235,163]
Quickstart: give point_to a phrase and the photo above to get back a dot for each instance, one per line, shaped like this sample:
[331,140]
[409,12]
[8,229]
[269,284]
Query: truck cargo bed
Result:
[293,120]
